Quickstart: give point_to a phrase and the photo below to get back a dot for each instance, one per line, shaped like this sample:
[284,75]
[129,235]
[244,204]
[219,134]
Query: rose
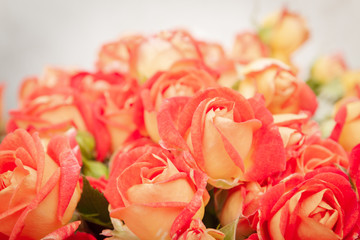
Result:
[198,231]
[242,203]
[347,120]
[328,68]
[155,194]
[248,47]
[283,92]
[283,32]
[185,81]
[350,81]
[118,56]
[321,153]
[322,205]
[39,191]
[110,107]
[232,139]
[159,52]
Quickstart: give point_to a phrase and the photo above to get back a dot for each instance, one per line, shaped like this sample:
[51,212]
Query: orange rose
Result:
[118,56]
[39,191]
[220,123]
[155,194]
[242,203]
[248,47]
[198,231]
[328,68]
[346,130]
[322,205]
[283,32]
[173,83]
[159,52]
[282,90]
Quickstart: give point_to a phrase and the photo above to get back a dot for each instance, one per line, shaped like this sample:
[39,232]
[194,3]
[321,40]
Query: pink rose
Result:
[220,123]
[39,191]
[155,194]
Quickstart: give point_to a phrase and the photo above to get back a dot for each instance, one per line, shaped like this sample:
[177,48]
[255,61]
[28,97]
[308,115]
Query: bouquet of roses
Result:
[171,137]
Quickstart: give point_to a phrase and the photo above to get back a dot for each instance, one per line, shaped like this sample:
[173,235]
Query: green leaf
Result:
[86,143]
[94,169]
[230,230]
[93,206]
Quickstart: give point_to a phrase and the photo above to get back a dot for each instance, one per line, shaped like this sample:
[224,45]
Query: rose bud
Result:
[283,32]
[327,69]
[220,123]
[159,52]
[198,231]
[248,47]
[173,83]
[39,191]
[282,90]
[242,203]
[155,194]
[118,56]
[347,118]
[322,205]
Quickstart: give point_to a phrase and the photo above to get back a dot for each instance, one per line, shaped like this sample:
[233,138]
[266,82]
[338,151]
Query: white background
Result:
[68,33]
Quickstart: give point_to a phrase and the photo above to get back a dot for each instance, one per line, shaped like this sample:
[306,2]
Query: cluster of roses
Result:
[185,131]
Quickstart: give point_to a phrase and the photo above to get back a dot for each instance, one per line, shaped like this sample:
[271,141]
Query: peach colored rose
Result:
[109,107]
[184,82]
[155,194]
[321,153]
[283,32]
[242,202]
[248,47]
[198,231]
[159,52]
[328,68]
[39,191]
[347,118]
[220,123]
[321,205]
[282,90]
[351,82]
[118,56]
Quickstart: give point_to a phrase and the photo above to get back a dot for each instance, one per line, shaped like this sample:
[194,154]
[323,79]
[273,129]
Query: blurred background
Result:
[39,33]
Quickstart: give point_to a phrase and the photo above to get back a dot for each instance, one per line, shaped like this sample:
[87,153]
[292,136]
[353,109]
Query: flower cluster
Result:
[171,137]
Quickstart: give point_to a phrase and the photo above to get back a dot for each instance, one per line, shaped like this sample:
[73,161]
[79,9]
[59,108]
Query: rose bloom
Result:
[184,81]
[242,202]
[282,90]
[155,194]
[347,118]
[328,68]
[198,231]
[351,82]
[118,56]
[221,124]
[109,108]
[39,191]
[321,205]
[283,32]
[248,47]
[159,52]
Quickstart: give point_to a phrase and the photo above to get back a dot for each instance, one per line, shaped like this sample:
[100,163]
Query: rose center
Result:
[5,179]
